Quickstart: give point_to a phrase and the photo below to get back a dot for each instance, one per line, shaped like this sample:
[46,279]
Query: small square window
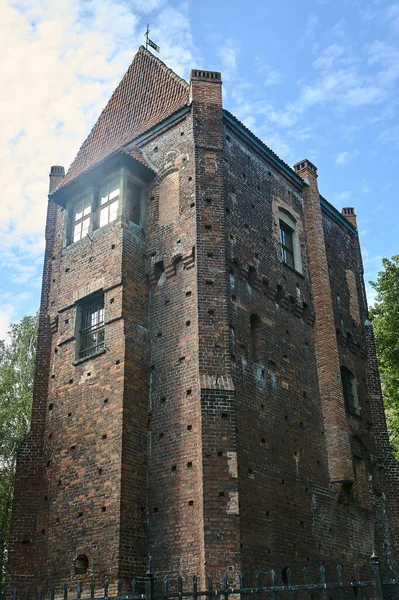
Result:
[91,326]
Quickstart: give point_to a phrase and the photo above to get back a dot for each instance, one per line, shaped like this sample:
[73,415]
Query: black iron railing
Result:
[265,586]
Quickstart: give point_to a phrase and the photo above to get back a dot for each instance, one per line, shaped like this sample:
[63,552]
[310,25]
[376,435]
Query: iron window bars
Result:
[92,328]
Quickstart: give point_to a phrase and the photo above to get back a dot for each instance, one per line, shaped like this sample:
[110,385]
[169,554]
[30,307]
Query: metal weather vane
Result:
[149,42]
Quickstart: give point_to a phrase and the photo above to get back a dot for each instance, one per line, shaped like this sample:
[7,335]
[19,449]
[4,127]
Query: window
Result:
[91,326]
[119,195]
[289,240]
[287,246]
[81,219]
[350,392]
[109,201]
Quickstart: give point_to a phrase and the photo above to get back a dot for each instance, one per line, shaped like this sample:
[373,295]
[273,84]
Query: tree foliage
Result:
[17,365]
[385,318]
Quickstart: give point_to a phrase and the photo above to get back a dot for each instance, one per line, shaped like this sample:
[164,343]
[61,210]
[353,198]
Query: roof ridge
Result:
[148,92]
[143,50]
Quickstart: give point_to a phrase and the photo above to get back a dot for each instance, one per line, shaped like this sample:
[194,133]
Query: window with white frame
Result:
[104,204]
[109,194]
[81,218]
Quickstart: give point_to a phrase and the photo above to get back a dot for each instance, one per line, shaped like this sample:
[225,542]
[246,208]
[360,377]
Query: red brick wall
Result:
[175,443]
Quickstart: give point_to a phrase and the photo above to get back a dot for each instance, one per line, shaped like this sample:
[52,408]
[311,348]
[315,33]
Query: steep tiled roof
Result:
[148,93]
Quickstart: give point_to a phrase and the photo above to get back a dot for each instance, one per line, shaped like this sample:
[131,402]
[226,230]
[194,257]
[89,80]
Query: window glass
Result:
[91,334]
[109,201]
[349,391]
[287,247]
[109,191]
[81,219]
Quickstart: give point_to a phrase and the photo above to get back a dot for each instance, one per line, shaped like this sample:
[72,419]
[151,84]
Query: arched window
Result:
[350,392]
[289,240]
[256,338]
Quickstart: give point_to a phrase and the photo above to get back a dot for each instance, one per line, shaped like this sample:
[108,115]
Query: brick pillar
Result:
[332,400]
[389,467]
[220,484]
[27,549]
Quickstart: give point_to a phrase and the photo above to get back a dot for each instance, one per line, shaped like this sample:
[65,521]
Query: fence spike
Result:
[92,589]
[289,576]
[357,577]
[14,593]
[256,574]
[165,585]
[180,585]
[195,587]
[133,586]
[339,575]
[306,580]
[377,577]
[78,590]
[323,581]
[240,580]
[52,591]
[65,592]
[224,581]
[119,588]
[27,592]
[39,592]
[106,585]
[394,569]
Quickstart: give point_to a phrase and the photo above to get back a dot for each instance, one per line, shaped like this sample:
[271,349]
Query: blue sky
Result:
[315,79]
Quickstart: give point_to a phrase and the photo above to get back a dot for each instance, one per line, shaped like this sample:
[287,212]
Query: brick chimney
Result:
[57,174]
[328,366]
[206,86]
[349,214]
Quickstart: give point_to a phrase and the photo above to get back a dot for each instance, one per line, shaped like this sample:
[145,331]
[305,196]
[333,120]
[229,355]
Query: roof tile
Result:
[148,93]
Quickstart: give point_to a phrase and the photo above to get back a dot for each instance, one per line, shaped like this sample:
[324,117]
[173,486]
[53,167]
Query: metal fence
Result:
[265,586]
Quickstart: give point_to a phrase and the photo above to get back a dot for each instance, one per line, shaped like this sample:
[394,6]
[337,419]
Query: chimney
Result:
[305,168]
[206,87]
[57,174]
[349,214]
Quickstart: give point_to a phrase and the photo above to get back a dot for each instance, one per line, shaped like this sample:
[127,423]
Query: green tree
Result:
[385,318]
[17,366]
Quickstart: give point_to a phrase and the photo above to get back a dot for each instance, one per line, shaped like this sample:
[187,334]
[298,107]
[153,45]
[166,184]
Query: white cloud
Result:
[343,195]
[6,312]
[228,54]
[269,75]
[342,158]
[59,64]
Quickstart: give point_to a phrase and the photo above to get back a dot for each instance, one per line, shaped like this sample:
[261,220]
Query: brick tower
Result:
[206,387]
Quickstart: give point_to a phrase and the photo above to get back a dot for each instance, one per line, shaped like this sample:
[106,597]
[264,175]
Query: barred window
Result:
[91,332]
